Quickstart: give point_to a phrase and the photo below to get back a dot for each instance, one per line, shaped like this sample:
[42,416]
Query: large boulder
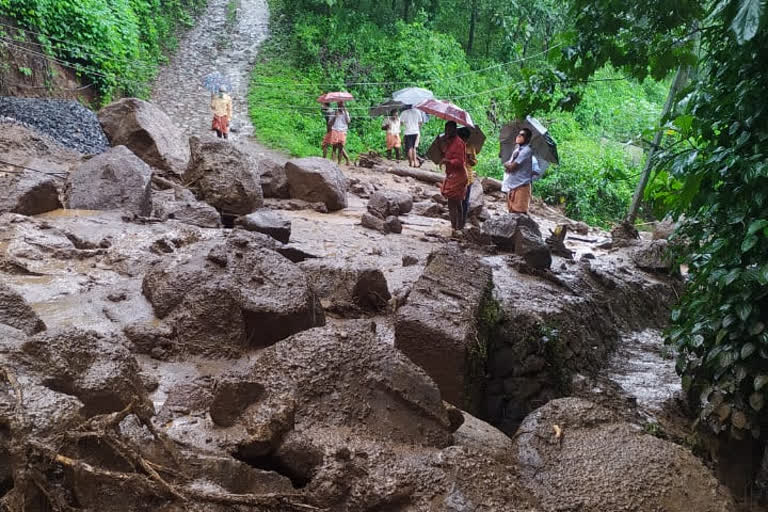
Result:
[274,181]
[574,452]
[529,245]
[384,203]
[347,289]
[180,204]
[29,193]
[148,132]
[16,313]
[439,326]
[267,222]
[654,256]
[502,229]
[223,176]
[316,179]
[114,180]
[240,294]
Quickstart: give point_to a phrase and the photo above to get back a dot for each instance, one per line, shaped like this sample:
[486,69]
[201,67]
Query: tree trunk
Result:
[406,8]
[681,77]
[472,23]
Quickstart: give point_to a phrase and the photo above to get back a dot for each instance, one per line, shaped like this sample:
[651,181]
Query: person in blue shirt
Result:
[519,173]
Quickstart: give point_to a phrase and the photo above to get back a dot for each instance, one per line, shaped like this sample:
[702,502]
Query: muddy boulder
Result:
[502,229]
[316,179]
[346,289]
[114,180]
[654,256]
[29,193]
[267,222]
[97,369]
[148,132]
[180,204]
[16,313]
[533,249]
[439,328]
[274,180]
[385,203]
[602,464]
[240,294]
[223,176]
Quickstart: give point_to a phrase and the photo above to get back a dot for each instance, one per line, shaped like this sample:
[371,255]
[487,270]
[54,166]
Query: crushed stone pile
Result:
[66,121]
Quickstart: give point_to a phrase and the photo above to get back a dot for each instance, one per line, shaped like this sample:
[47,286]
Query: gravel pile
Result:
[65,121]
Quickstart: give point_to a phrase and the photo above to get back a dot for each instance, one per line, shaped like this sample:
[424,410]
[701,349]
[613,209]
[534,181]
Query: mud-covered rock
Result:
[347,289]
[602,464]
[180,204]
[97,369]
[29,193]
[654,256]
[274,180]
[384,203]
[114,180]
[392,224]
[502,229]
[316,179]
[240,294]
[146,131]
[533,249]
[430,209]
[16,313]
[267,222]
[223,176]
[438,326]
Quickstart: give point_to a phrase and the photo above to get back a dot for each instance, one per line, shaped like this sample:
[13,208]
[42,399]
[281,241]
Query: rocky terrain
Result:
[199,328]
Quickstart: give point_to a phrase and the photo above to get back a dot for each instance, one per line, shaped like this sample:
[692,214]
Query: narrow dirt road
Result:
[225,38]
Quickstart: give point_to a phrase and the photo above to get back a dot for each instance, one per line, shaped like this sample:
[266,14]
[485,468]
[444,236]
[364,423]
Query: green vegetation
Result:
[711,172]
[114,44]
[372,51]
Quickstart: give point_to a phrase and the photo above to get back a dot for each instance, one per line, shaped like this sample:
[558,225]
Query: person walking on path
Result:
[471,154]
[412,121]
[518,174]
[339,130]
[221,105]
[328,115]
[454,187]
[392,126]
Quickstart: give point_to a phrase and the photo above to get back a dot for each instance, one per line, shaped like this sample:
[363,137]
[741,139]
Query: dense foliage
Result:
[713,171]
[114,44]
[372,51]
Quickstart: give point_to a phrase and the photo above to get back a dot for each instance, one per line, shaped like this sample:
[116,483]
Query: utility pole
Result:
[681,77]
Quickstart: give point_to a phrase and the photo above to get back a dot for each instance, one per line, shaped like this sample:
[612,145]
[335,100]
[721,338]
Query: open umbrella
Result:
[446,110]
[334,97]
[543,145]
[412,95]
[385,108]
[476,138]
[214,81]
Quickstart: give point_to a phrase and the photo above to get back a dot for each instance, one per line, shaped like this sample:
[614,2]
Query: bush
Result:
[114,44]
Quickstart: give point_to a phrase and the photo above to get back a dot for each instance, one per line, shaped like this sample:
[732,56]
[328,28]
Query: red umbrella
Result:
[332,97]
[446,110]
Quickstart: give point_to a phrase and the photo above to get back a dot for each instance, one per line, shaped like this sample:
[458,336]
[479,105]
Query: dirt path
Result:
[224,39]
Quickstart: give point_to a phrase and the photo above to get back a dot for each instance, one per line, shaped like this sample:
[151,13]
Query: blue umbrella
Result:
[214,81]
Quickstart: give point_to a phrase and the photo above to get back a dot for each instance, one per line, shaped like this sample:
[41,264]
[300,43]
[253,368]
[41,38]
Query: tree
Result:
[719,154]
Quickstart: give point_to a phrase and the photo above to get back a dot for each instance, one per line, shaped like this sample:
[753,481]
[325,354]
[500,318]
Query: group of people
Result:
[411,121]
[459,157]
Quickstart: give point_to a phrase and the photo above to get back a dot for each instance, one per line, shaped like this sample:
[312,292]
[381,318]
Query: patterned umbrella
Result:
[446,110]
[214,81]
[335,97]
[542,144]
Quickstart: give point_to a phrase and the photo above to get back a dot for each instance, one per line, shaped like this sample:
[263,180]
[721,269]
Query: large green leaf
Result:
[760,381]
[747,350]
[756,226]
[747,20]
[748,243]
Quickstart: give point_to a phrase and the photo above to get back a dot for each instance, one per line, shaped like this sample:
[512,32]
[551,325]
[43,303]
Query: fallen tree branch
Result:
[417,174]
[272,499]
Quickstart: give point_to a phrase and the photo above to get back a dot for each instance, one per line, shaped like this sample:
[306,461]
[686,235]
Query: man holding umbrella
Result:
[518,174]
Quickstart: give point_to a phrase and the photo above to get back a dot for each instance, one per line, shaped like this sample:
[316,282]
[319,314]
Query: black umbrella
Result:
[385,108]
[543,145]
